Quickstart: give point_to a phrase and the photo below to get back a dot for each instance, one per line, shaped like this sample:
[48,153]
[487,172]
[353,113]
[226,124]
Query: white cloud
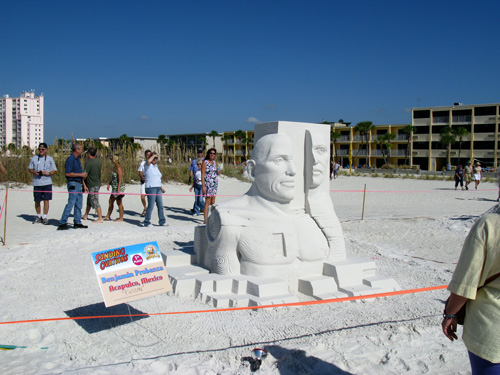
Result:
[253,120]
[144,117]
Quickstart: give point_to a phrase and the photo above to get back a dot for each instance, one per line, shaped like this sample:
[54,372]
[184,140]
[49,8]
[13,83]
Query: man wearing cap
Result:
[74,176]
[468,174]
[42,167]
[193,168]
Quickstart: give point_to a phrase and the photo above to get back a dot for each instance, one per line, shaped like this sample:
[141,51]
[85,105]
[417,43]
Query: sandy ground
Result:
[414,229]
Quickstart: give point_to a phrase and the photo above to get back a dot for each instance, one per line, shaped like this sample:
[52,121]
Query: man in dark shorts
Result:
[42,167]
[93,183]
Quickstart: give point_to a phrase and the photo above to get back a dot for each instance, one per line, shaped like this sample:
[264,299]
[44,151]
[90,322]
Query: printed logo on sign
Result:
[137,259]
[151,252]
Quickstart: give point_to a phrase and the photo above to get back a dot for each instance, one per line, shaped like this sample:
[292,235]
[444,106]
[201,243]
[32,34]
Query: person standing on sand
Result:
[199,203]
[476,284]
[42,167]
[468,174]
[74,176]
[117,189]
[154,190]
[192,171]
[478,174]
[459,177]
[147,154]
[209,180]
[93,184]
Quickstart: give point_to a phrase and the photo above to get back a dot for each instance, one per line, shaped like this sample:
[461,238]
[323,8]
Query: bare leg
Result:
[45,207]
[86,214]
[110,208]
[144,205]
[119,202]
[99,215]
[208,202]
[37,208]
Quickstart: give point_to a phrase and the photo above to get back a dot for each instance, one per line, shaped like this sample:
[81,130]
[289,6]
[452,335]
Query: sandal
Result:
[143,213]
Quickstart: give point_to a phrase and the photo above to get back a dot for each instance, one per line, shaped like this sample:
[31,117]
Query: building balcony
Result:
[421,138]
[484,119]
[420,153]
[342,152]
[359,153]
[421,121]
[483,137]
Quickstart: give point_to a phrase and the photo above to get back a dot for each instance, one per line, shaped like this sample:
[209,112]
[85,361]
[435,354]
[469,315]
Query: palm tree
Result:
[364,128]
[460,132]
[224,139]
[409,130]
[162,140]
[447,138]
[335,135]
[203,141]
[385,144]
[213,134]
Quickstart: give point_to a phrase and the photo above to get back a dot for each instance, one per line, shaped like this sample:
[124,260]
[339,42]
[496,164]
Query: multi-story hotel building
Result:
[21,120]
[480,120]
[365,150]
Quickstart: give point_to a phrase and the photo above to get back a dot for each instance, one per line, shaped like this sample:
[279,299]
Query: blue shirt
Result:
[73,165]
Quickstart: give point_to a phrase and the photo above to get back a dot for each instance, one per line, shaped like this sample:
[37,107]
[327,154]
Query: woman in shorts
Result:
[118,188]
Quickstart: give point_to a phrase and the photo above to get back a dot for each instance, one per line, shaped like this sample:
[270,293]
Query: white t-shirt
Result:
[153,176]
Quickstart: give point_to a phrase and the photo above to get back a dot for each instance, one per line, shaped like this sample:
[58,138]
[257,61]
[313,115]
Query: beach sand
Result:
[413,229]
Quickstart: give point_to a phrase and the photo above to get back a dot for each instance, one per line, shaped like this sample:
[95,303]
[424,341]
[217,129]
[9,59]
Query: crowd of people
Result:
[87,179]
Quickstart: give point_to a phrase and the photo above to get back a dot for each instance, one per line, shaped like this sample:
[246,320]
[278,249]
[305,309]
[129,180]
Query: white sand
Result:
[414,233]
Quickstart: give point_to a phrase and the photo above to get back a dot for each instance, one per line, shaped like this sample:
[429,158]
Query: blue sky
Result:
[146,68]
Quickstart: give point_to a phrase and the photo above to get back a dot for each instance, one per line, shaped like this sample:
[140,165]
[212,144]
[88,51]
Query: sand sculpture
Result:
[282,236]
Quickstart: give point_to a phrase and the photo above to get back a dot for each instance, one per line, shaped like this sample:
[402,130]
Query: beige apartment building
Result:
[21,120]
[480,120]
[237,146]
[367,150]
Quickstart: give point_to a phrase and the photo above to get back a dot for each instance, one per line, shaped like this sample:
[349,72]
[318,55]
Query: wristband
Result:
[448,316]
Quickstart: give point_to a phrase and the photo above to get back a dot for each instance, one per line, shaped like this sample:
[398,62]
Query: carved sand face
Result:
[319,160]
[274,169]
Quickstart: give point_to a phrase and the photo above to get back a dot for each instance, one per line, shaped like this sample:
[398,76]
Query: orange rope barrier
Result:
[292,304]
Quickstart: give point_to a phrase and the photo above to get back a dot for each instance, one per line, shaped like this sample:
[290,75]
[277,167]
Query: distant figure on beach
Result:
[468,174]
[478,174]
[336,169]
[147,154]
[154,190]
[42,167]
[209,180]
[117,189]
[74,177]
[192,170]
[459,177]
[93,184]
[199,203]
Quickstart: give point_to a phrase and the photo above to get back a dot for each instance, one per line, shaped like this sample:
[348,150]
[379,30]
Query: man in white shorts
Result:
[147,154]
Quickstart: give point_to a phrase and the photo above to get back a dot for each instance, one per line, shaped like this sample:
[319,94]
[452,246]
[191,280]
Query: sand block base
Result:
[184,257]
[348,277]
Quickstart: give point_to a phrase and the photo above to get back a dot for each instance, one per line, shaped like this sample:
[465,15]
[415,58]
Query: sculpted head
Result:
[317,155]
[271,168]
